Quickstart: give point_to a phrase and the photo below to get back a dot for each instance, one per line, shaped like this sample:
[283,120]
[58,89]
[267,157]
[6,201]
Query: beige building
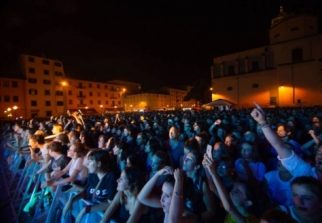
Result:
[287,72]
[12,97]
[166,99]
[45,90]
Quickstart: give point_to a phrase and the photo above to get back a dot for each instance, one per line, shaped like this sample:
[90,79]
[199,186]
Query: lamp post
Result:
[64,85]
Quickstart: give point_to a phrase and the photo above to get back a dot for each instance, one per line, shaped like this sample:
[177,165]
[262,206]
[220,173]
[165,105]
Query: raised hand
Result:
[258,116]
[167,170]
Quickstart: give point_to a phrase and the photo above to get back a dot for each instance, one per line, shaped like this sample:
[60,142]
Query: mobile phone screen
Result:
[209,151]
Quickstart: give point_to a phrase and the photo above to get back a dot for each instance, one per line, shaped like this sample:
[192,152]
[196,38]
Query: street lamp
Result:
[64,84]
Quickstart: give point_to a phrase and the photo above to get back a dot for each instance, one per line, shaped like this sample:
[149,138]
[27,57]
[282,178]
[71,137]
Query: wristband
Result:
[264,125]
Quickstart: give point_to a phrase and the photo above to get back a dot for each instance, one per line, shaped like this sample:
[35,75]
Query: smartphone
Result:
[209,151]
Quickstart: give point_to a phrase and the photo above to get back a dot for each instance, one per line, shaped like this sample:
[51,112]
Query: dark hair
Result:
[107,162]
[40,139]
[311,183]
[164,158]
[80,149]
[55,146]
[135,179]
[191,144]
[154,145]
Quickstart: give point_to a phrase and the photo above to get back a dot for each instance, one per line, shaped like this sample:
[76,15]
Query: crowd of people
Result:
[246,165]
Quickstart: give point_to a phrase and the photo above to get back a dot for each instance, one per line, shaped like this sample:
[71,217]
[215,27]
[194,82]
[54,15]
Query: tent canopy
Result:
[219,102]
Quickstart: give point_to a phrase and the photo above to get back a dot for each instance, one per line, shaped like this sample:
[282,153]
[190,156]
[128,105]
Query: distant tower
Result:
[285,26]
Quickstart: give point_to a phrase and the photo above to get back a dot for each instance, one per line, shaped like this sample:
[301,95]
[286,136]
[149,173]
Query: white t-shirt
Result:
[77,164]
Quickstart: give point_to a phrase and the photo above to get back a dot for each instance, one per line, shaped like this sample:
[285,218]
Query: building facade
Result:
[287,72]
[166,99]
[45,90]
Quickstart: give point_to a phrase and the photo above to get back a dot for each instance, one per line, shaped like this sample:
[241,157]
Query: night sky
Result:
[155,43]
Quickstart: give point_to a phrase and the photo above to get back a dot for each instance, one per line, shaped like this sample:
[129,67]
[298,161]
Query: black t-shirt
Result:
[59,163]
[104,192]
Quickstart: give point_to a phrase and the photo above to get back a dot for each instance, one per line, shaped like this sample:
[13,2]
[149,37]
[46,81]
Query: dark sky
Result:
[155,42]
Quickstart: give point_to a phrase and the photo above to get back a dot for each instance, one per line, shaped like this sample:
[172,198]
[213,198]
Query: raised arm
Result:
[176,206]
[145,196]
[222,192]
[271,136]
[111,208]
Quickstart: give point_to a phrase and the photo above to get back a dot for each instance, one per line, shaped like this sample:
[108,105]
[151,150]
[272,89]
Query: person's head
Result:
[241,196]
[307,196]
[249,136]
[190,144]
[101,141]
[130,179]
[282,131]
[247,151]
[229,140]
[63,138]
[276,216]
[36,140]
[55,148]
[191,161]
[224,168]
[141,139]
[316,121]
[134,160]
[99,161]
[159,160]
[173,133]
[76,150]
[219,151]
[152,146]
[167,190]
[57,128]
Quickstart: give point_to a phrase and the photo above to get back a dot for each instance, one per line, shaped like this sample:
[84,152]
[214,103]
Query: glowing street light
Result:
[15,107]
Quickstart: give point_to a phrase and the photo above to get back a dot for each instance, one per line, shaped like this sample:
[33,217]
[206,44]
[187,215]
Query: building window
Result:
[70,92]
[106,102]
[105,86]
[90,102]
[119,102]
[48,103]
[58,73]
[6,98]
[33,103]
[59,93]
[70,102]
[98,94]
[14,84]
[46,72]
[89,85]
[32,80]
[32,70]
[46,62]
[33,91]
[15,99]
[60,103]
[49,113]
[99,102]
[297,55]
[231,70]
[255,66]
[229,88]
[106,94]
[255,86]
[58,64]
[47,82]
[98,86]
[5,84]
[47,92]
[90,93]
[272,101]
[294,29]
[31,59]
